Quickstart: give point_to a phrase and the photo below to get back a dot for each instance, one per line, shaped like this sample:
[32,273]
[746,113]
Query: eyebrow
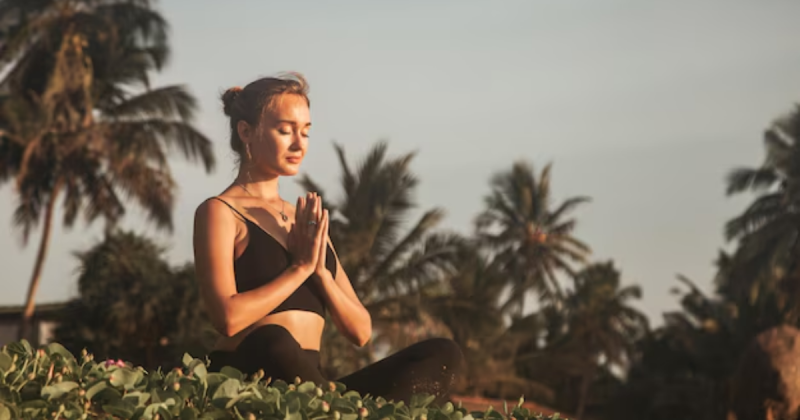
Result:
[292,122]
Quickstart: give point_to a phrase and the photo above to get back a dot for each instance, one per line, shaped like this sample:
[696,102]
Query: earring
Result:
[249,161]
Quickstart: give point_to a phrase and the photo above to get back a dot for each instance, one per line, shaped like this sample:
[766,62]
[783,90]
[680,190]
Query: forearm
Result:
[352,319]
[243,309]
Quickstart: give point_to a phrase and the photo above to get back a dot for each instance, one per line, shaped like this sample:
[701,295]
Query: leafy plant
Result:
[49,382]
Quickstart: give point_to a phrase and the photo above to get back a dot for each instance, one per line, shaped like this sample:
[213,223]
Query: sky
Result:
[642,106]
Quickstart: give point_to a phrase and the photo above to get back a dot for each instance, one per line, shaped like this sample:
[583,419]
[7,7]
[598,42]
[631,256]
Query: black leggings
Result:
[429,367]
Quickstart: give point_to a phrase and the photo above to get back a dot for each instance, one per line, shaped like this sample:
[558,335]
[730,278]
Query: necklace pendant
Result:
[284,217]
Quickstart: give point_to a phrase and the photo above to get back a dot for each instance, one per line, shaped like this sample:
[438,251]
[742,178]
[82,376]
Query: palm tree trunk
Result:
[584,394]
[27,315]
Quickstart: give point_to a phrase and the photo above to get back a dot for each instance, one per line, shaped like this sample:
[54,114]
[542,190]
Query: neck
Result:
[260,185]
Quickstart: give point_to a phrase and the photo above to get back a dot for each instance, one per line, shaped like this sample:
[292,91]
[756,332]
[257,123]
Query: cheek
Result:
[271,146]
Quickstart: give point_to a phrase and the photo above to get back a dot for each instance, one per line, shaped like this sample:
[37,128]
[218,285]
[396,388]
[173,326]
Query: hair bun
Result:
[229,98]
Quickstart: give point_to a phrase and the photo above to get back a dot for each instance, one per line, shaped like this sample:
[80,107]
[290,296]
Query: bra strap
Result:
[232,208]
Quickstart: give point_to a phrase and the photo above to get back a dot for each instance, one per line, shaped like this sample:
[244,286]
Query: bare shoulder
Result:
[214,212]
[210,208]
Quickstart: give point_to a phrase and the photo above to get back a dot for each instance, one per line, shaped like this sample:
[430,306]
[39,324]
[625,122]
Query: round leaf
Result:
[56,390]
[5,362]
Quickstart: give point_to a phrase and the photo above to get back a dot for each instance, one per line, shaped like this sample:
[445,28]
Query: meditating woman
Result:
[268,271]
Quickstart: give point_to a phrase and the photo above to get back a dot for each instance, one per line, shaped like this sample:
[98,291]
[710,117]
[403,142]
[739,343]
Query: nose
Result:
[299,142]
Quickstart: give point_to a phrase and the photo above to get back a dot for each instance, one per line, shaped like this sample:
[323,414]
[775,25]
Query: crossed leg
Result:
[429,367]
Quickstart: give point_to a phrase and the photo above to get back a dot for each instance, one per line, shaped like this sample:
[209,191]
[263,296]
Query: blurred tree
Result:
[79,119]
[768,231]
[602,326]
[133,306]
[531,239]
[682,369]
[468,303]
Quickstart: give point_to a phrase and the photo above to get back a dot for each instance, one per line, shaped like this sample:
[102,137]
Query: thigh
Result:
[272,349]
[428,367]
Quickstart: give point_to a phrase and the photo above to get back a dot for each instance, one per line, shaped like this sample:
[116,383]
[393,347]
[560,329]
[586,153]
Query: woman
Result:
[268,271]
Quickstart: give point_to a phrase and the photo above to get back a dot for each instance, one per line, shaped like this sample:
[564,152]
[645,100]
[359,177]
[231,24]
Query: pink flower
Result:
[112,362]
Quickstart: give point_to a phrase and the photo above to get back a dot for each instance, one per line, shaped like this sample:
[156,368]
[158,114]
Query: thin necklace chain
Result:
[284,217]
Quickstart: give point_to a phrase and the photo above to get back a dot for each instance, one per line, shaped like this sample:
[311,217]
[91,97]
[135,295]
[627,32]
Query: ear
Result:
[245,131]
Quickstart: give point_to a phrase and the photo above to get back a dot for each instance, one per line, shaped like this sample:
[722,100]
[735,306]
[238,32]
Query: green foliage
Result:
[50,382]
[133,305]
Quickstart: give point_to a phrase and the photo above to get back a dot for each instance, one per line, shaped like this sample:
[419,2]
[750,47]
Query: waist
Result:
[264,347]
[304,327]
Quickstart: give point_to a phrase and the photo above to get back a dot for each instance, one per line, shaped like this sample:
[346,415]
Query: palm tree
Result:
[684,369]
[468,302]
[80,121]
[602,326]
[386,264]
[768,231]
[528,235]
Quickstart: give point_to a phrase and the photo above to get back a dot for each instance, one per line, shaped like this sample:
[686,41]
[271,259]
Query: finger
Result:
[323,249]
[306,210]
[322,231]
[300,215]
[317,216]
[314,208]
[326,222]
[319,209]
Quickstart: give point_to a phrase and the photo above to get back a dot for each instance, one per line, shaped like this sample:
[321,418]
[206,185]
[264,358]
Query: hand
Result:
[322,270]
[306,235]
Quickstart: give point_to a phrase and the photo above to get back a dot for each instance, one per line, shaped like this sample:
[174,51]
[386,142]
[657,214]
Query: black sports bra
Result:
[265,258]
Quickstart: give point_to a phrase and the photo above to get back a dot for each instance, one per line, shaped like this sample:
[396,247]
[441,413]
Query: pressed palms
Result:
[529,235]
[80,121]
[386,263]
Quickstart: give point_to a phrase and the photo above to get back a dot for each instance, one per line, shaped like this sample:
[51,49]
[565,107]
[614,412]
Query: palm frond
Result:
[418,233]
[745,179]
[166,102]
[174,135]
[760,212]
[152,189]
[567,206]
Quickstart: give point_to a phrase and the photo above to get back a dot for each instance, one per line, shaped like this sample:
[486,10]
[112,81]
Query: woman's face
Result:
[280,140]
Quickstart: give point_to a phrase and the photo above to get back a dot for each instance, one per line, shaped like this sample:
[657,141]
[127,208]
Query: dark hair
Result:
[250,102]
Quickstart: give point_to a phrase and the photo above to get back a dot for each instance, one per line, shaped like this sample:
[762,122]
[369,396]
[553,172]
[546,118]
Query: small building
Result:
[45,320]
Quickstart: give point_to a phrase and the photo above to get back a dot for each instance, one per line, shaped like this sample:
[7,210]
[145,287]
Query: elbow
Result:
[230,330]
[363,340]
[226,324]
[226,328]
[364,335]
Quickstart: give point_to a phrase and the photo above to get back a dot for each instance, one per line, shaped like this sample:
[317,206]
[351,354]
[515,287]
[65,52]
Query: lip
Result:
[294,159]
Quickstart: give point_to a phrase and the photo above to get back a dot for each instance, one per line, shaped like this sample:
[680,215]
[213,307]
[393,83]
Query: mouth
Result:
[294,159]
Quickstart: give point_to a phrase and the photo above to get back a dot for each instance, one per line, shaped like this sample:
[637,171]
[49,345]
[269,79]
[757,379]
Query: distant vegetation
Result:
[82,127]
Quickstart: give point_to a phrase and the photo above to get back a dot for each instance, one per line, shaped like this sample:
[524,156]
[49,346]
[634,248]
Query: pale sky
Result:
[643,106]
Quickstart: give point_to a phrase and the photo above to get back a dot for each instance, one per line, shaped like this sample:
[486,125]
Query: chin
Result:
[290,170]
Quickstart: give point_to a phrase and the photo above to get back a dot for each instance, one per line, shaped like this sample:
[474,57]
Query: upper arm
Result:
[215,231]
